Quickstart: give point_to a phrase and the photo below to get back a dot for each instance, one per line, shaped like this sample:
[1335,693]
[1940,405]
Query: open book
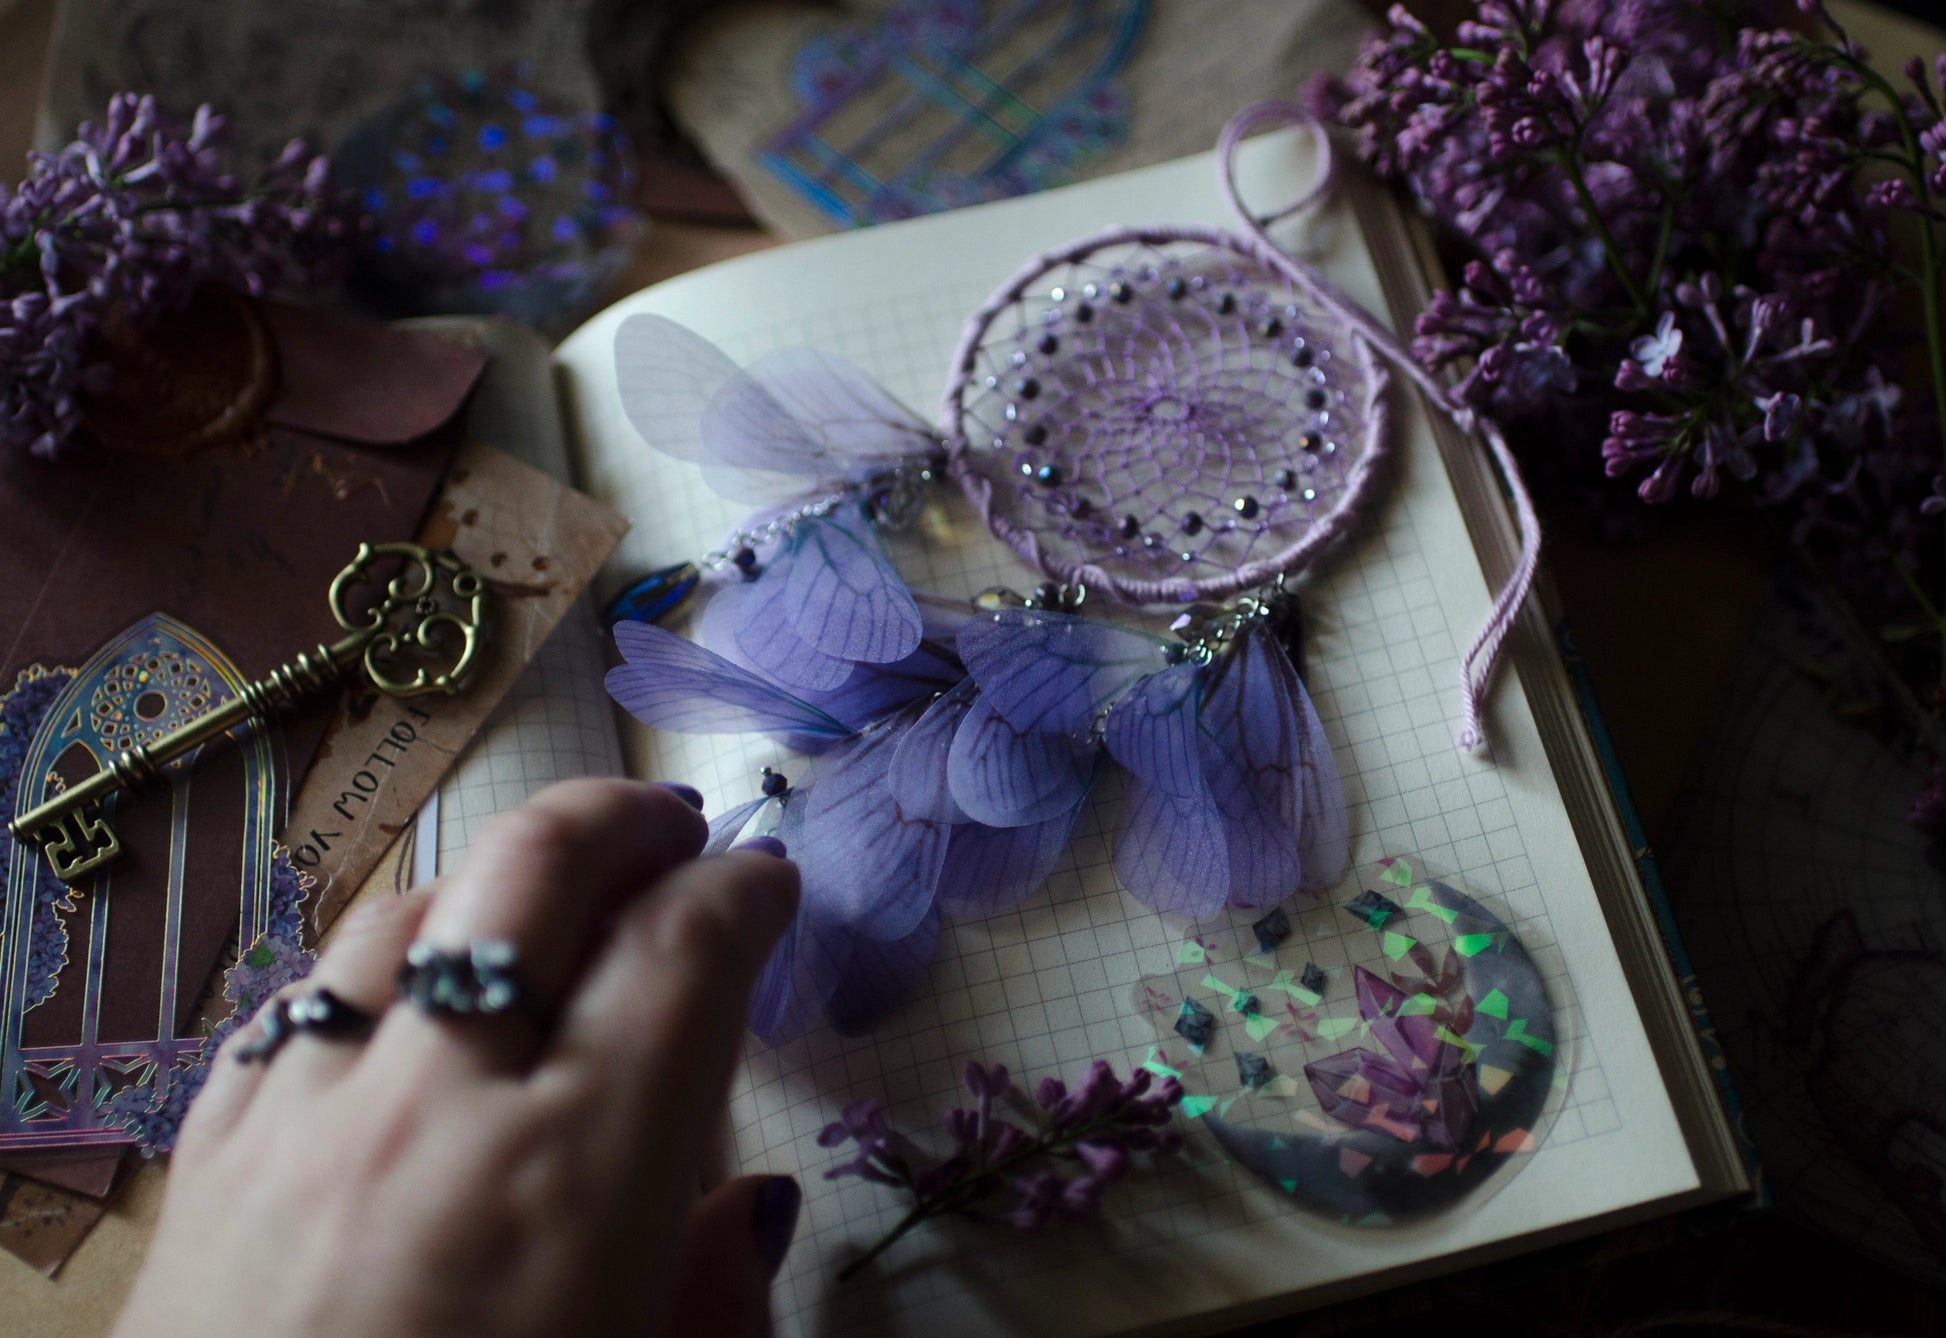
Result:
[1200,1243]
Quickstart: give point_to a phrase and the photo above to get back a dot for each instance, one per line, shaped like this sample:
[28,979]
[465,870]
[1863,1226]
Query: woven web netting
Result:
[1164,420]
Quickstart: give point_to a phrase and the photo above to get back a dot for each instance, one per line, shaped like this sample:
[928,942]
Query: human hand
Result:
[494,1175]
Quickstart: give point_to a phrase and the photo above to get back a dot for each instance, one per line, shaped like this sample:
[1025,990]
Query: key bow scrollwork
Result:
[410,619]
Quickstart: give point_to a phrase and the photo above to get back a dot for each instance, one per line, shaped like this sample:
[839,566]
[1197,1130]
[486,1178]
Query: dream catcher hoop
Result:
[1167,414]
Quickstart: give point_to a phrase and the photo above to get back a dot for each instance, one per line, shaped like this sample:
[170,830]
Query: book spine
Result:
[1645,867]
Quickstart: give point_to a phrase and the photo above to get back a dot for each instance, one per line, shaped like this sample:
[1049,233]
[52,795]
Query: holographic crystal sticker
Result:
[951,102]
[1371,1094]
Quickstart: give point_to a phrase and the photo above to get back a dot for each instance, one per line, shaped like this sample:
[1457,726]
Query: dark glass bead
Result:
[1175,288]
[1270,327]
[1081,508]
[653,596]
[1303,356]
[1226,304]
[774,783]
[1192,523]
[1246,507]
[1314,398]
[1120,291]
[1129,528]
[1048,476]
[1035,435]
[1311,442]
[745,558]
[1286,479]
[1027,388]
[1047,594]
[1084,313]
[1049,345]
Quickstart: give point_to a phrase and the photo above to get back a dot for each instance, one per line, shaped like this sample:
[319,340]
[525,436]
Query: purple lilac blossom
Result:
[124,225]
[1607,163]
[1005,1172]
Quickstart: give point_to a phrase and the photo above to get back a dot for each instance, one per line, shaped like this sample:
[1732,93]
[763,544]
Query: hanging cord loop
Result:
[1483,656]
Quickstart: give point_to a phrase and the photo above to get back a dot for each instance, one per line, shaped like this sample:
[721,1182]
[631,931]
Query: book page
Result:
[555,722]
[1047,987]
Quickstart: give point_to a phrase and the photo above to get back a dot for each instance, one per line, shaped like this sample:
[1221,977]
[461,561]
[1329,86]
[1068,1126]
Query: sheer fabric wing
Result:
[1172,851]
[727,826]
[878,976]
[777,652]
[1006,776]
[864,860]
[667,376]
[669,682]
[991,869]
[839,594]
[804,969]
[798,419]
[1253,745]
[1049,671]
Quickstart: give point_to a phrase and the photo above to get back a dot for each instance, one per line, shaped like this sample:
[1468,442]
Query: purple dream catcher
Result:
[1165,416]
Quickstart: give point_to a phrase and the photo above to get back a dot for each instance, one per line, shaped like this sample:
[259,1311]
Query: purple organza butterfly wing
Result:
[864,860]
[810,959]
[807,416]
[673,684]
[727,826]
[793,421]
[722,626]
[986,869]
[832,586]
[1173,849]
[1324,831]
[1025,753]
[918,772]
[1250,750]
[878,976]
[1005,776]
[874,691]
[667,376]
[1048,671]
[990,869]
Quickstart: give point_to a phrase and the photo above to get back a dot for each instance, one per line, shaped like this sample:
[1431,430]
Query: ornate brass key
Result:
[400,642]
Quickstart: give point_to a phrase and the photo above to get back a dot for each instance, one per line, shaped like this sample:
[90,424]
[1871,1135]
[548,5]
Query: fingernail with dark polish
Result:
[778,1199]
[763,845]
[687,793]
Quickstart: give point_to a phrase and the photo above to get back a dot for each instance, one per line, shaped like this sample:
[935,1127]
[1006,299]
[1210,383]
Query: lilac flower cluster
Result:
[1682,270]
[123,225]
[1672,234]
[1083,1144]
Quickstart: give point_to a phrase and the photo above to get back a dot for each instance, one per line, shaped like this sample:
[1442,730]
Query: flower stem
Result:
[972,1187]
[1571,167]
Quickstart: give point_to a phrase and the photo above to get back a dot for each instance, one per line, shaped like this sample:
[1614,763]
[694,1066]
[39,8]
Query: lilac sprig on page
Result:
[1000,1171]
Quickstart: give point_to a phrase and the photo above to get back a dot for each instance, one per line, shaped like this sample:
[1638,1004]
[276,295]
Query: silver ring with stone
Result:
[479,980]
[317,1011]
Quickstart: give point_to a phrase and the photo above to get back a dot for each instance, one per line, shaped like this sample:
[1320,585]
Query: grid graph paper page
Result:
[1047,987]
[555,722]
